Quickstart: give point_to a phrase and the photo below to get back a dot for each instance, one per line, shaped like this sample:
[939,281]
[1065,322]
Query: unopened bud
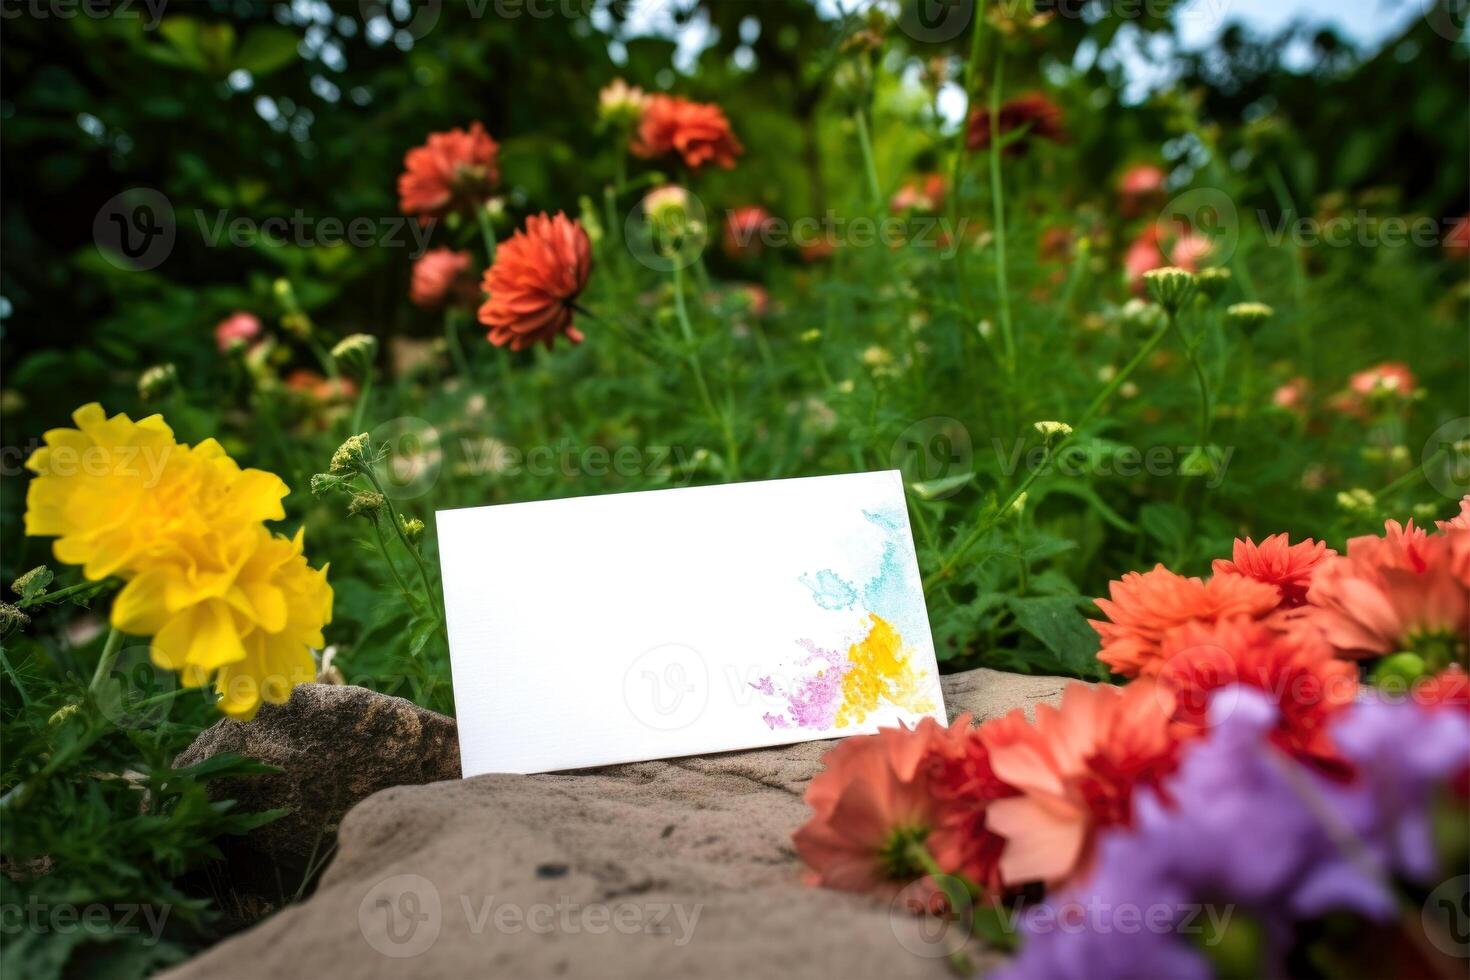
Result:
[157,382]
[356,353]
[1249,317]
[366,503]
[1170,287]
[351,456]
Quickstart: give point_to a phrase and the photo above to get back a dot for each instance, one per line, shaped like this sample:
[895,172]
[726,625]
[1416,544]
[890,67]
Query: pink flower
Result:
[442,276]
[869,806]
[1292,396]
[1140,188]
[1387,382]
[1076,770]
[1405,591]
[236,331]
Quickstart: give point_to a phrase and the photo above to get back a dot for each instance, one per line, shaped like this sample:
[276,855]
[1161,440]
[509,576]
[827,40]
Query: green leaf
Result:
[937,489]
[266,49]
[1168,524]
[1057,622]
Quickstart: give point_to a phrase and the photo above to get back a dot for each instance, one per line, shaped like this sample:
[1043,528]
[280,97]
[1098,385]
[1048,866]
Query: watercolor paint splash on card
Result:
[839,687]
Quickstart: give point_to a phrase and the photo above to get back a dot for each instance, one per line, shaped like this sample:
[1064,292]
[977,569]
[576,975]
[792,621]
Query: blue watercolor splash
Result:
[830,590]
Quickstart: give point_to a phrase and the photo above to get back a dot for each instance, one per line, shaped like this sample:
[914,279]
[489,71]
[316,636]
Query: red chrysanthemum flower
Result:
[442,276]
[870,804]
[963,784]
[1406,591]
[1293,666]
[743,230]
[537,275]
[1276,561]
[1144,607]
[697,131]
[1033,111]
[1075,771]
[452,171]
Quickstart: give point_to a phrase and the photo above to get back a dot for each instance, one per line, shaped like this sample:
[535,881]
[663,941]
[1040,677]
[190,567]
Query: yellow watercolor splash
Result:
[879,668]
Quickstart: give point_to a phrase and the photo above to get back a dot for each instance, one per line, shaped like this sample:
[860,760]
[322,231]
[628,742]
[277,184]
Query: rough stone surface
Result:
[680,868]
[335,745]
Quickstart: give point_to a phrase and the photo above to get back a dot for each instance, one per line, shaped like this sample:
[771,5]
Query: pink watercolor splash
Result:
[814,702]
[765,685]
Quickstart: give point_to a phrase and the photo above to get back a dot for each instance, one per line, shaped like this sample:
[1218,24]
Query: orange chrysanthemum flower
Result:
[869,805]
[697,131]
[1406,591]
[441,277]
[452,171]
[1033,111]
[1277,562]
[1291,665]
[963,784]
[1144,607]
[1075,770]
[536,277]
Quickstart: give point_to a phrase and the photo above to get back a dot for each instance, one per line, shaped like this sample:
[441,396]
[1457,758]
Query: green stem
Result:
[487,232]
[456,349]
[362,400]
[47,598]
[732,449]
[110,651]
[870,165]
[1087,416]
[998,208]
[407,546]
[388,559]
[14,678]
[957,172]
[995,517]
[1205,411]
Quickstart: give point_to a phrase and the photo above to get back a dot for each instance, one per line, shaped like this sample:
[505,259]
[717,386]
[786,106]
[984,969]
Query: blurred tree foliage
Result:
[255,109]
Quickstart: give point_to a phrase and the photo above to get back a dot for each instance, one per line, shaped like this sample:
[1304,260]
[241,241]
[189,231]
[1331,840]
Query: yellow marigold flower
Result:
[223,598]
[119,495]
[251,629]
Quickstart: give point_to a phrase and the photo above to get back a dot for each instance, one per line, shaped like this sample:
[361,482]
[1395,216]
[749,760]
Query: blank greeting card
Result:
[666,623]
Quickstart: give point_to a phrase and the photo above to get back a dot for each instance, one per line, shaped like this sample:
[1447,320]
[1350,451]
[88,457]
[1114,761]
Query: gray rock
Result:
[335,746]
[678,868]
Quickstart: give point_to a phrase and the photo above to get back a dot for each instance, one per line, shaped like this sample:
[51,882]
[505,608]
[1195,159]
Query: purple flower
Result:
[1250,832]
